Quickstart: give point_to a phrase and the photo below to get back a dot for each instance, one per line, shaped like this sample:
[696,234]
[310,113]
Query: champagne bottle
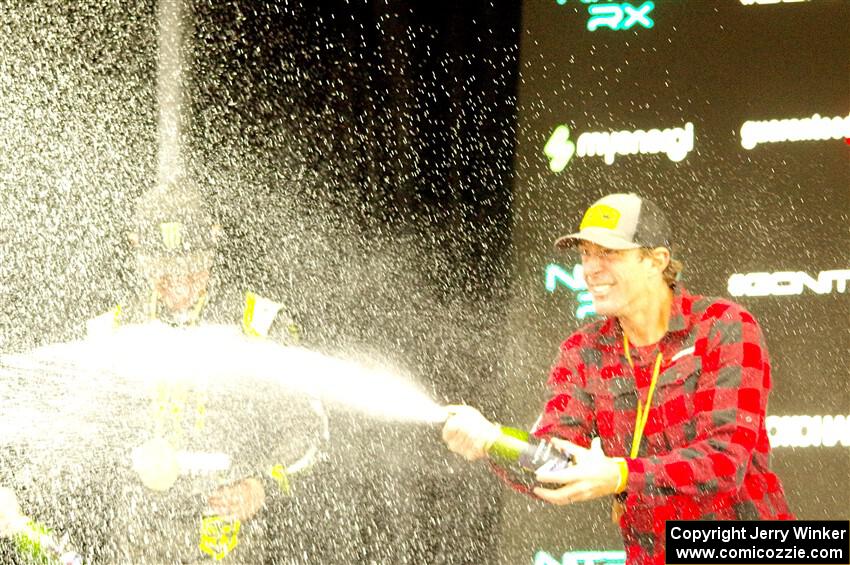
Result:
[520,451]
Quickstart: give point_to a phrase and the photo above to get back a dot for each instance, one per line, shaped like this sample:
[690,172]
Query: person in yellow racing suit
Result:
[209,469]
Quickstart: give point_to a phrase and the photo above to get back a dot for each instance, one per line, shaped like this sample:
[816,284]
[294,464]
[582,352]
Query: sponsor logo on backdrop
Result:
[814,128]
[581,558]
[675,142]
[788,283]
[556,276]
[617,16]
[808,431]
[781,283]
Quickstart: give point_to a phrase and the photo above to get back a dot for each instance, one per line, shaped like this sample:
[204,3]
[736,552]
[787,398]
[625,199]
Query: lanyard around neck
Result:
[642,411]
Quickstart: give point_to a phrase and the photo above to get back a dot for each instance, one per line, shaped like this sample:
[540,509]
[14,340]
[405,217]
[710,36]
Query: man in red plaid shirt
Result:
[661,401]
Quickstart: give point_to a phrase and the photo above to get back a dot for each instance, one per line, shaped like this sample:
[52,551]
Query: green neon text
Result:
[557,275]
[620,16]
[617,16]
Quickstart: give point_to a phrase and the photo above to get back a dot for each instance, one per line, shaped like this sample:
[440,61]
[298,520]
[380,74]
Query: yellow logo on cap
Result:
[172,234]
[600,216]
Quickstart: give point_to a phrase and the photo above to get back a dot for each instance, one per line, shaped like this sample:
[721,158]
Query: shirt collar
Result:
[678,314]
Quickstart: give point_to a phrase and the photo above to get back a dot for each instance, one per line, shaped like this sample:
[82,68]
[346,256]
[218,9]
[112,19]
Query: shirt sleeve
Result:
[569,409]
[729,406]
[567,412]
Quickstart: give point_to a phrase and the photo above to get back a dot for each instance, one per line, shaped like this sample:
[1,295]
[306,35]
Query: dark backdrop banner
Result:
[735,117]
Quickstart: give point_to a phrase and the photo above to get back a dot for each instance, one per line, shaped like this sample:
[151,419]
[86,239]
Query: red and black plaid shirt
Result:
[704,452]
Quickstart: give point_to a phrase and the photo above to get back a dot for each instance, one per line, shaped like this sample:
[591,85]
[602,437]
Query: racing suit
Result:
[211,437]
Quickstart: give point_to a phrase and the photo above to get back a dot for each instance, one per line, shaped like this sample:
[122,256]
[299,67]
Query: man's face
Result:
[181,291]
[616,279]
[179,282]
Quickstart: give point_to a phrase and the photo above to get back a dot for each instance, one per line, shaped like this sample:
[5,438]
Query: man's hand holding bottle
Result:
[468,433]
[569,472]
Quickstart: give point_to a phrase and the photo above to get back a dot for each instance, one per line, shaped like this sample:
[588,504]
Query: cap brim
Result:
[603,238]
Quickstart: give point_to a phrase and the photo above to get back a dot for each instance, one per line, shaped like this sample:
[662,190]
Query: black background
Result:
[361,157]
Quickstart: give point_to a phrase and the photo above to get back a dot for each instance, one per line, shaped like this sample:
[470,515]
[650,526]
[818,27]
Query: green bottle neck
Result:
[509,445]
